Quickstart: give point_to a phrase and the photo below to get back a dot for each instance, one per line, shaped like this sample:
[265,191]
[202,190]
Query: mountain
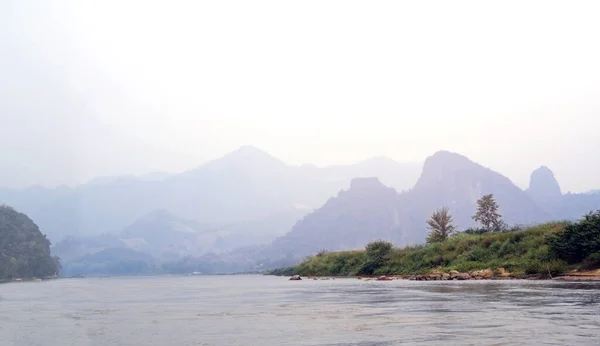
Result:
[545,190]
[112,261]
[165,237]
[369,210]
[246,187]
[400,176]
[24,250]
[276,217]
[365,212]
[452,180]
[543,186]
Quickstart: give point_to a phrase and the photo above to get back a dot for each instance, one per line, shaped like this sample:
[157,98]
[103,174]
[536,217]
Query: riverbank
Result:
[580,276]
[518,254]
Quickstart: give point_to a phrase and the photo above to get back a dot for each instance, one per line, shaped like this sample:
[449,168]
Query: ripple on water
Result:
[259,310]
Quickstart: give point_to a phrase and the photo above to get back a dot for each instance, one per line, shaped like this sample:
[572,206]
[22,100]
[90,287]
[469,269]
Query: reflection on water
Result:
[259,310]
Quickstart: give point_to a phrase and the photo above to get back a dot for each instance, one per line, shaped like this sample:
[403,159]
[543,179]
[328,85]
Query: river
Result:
[265,310]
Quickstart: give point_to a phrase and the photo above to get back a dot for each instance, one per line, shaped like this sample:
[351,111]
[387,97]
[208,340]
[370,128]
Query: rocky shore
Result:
[589,275]
[487,274]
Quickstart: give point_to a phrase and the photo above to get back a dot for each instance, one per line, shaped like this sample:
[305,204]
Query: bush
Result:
[378,254]
[591,262]
[519,252]
[476,231]
[579,240]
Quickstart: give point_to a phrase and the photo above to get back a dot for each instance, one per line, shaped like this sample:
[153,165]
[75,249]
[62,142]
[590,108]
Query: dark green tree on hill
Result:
[487,214]
[24,250]
[440,226]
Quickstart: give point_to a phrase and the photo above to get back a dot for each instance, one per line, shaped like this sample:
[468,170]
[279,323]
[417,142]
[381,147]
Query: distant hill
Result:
[545,190]
[369,211]
[250,210]
[366,211]
[400,176]
[112,261]
[166,238]
[24,250]
[454,181]
[247,186]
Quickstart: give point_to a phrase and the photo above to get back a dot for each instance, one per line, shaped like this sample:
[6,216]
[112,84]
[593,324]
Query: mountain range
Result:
[369,210]
[250,210]
[247,187]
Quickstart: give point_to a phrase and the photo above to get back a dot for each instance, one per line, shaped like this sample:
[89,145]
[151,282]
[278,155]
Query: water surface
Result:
[265,310]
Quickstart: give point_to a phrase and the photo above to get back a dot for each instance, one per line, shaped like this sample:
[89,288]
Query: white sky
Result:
[93,88]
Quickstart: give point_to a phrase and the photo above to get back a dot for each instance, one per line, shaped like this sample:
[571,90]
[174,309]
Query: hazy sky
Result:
[93,88]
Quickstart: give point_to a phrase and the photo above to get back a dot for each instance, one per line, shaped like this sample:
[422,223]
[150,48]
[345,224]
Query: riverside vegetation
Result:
[24,250]
[544,250]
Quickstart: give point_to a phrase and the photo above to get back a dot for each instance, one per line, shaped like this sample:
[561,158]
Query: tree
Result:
[377,255]
[579,240]
[24,250]
[440,226]
[487,213]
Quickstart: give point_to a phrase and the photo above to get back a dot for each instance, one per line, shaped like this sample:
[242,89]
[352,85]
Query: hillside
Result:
[247,186]
[519,253]
[544,250]
[112,261]
[369,210]
[24,250]
[167,237]
[454,181]
[546,191]
[249,209]
[366,211]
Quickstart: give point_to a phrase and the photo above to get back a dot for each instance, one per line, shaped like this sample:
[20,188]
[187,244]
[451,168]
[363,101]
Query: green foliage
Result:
[345,263]
[24,250]
[591,262]
[286,271]
[579,240]
[521,252]
[487,214]
[440,226]
[377,255]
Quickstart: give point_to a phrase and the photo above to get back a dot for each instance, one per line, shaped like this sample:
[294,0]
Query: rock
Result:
[503,273]
[296,277]
[463,276]
[453,272]
[384,278]
[482,274]
[445,276]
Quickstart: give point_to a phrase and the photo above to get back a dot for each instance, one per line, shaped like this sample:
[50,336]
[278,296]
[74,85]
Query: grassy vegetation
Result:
[520,252]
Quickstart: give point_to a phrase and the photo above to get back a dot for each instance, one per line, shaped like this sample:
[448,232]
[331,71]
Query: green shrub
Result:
[377,255]
[521,252]
[591,262]
[579,240]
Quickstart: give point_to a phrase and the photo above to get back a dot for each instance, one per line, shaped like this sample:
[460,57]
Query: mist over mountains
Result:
[249,210]
[245,186]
